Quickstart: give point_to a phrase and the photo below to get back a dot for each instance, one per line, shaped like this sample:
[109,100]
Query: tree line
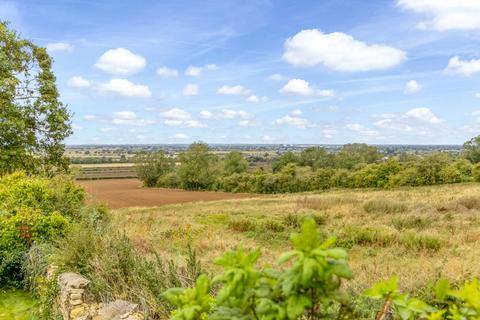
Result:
[354,166]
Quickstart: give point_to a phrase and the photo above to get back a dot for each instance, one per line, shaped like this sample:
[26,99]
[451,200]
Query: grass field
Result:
[420,234]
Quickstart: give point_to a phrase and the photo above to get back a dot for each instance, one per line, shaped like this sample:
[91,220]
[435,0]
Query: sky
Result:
[261,71]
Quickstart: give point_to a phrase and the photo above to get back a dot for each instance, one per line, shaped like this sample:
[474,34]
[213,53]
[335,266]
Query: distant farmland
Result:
[105,171]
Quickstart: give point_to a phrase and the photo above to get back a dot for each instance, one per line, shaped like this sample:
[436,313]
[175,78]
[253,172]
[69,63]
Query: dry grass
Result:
[418,233]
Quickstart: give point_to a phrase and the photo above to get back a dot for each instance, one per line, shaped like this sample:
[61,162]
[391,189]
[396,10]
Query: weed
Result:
[272,225]
[292,220]
[411,222]
[415,241]
[242,225]
[386,206]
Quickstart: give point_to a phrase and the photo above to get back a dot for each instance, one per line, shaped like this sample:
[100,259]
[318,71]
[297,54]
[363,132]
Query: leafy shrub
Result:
[169,180]
[32,210]
[386,206]
[273,226]
[310,288]
[150,166]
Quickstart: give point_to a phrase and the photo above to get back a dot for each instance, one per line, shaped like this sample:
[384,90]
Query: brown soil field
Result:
[125,193]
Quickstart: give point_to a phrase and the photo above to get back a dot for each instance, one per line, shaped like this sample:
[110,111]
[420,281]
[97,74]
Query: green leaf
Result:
[441,289]
[296,306]
[342,270]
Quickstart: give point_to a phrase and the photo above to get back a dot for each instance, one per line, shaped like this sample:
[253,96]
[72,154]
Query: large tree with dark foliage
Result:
[33,122]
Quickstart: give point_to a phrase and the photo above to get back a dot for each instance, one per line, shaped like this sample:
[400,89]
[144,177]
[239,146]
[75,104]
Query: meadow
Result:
[420,234]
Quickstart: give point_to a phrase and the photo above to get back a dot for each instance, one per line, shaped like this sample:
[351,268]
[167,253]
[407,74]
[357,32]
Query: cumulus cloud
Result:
[177,117]
[294,119]
[191,90]
[204,114]
[230,114]
[120,62]
[303,88]
[181,136]
[361,129]
[77,82]
[256,99]
[445,15]
[193,71]
[129,118]
[462,67]
[414,120]
[339,51]
[125,88]
[412,87]
[477,95]
[233,90]
[278,77]
[267,138]
[59,46]
[165,72]
[176,114]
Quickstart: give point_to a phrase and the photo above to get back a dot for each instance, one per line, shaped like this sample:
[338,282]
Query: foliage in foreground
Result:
[309,288]
[32,210]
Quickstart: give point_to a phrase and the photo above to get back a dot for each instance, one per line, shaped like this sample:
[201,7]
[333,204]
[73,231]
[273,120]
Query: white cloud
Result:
[303,88]
[412,87]
[181,136]
[78,82]
[294,120]
[193,71]
[176,117]
[423,114]
[361,129]
[191,90]
[255,99]
[59,46]
[233,90]
[106,129]
[129,118]
[278,77]
[165,72]
[477,95]
[445,14]
[247,123]
[230,114]
[415,120]
[339,51]
[125,88]
[204,114]
[462,67]
[297,112]
[267,138]
[176,114]
[120,61]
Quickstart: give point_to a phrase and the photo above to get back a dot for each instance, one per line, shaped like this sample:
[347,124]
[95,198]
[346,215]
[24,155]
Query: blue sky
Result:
[380,71]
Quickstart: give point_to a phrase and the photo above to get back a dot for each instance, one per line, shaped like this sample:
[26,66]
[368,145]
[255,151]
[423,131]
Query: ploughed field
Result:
[124,193]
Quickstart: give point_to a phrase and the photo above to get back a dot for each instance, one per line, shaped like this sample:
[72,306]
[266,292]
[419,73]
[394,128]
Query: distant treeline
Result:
[354,166]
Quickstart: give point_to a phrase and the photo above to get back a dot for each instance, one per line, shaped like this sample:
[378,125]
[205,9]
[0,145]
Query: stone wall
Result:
[73,303]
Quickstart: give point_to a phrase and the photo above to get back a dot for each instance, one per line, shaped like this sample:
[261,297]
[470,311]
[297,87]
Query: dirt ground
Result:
[125,193]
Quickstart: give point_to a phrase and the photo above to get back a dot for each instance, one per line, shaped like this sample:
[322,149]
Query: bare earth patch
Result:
[125,193]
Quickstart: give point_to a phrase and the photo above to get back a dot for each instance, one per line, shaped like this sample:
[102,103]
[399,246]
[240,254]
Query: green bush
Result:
[169,180]
[150,166]
[33,210]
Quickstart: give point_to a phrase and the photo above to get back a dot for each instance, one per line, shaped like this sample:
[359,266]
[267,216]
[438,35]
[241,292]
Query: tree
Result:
[199,168]
[354,154]
[472,150]
[150,166]
[283,160]
[33,122]
[316,157]
[234,162]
